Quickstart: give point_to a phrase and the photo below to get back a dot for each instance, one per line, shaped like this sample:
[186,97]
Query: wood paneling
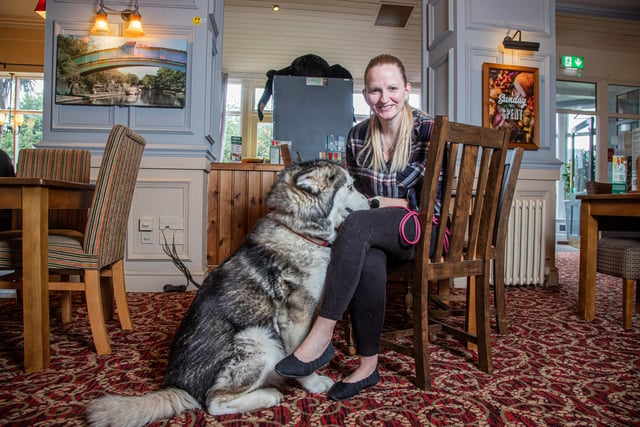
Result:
[236,200]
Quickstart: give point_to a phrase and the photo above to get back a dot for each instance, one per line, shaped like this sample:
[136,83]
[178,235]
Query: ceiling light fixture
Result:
[275,8]
[132,16]
[511,43]
[12,121]
[41,8]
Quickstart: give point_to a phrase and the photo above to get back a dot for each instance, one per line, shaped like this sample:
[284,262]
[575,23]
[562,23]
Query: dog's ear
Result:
[310,180]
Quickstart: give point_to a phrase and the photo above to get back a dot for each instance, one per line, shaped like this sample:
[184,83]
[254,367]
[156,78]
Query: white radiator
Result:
[524,252]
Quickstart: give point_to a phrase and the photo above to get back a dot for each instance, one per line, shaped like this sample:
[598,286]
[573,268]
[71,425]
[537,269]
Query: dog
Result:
[252,310]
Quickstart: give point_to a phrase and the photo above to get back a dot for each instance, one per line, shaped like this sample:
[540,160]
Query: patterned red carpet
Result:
[550,369]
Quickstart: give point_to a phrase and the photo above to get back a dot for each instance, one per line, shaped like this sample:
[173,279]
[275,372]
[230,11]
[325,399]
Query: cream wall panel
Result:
[516,15]
[441,19]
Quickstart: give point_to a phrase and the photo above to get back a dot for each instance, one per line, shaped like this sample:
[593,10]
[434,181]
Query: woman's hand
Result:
[388,202]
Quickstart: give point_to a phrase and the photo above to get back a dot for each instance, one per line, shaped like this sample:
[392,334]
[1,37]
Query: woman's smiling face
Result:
[386,91]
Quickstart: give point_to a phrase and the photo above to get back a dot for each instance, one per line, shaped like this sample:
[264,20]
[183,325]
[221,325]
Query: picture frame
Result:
[105,70]
[510,99]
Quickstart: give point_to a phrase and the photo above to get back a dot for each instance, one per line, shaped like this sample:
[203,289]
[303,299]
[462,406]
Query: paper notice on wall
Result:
[236,149]
[635,159]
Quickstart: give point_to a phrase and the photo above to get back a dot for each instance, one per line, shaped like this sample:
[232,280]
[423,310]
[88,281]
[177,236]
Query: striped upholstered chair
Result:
[57,163]
[99,252]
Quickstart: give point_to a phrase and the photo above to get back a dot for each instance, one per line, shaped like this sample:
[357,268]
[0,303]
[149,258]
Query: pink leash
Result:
[416,220]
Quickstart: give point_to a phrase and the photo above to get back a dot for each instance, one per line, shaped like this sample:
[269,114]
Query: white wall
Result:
[461,35]
[173,176]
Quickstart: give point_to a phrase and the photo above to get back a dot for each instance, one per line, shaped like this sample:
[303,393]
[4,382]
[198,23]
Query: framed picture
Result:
[510,99]
[103,70]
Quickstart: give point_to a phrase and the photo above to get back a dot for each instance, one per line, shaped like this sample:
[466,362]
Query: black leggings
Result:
[357,271]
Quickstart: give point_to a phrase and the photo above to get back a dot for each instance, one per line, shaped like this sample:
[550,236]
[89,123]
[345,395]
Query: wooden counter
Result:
[236,195]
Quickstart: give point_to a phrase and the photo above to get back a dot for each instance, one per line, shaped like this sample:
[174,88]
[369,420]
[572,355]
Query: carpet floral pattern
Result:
[550,369]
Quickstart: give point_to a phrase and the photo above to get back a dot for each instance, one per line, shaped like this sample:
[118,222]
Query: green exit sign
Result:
[573,62]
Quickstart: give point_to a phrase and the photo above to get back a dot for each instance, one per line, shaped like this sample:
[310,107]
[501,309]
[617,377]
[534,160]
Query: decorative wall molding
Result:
[531,16]
[441,70]
[440,17]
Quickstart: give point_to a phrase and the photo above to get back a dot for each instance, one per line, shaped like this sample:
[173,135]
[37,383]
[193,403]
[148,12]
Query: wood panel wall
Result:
[236,199]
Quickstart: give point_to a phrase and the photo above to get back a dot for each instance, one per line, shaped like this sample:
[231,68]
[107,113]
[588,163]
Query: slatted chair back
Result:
[466,223]
[507,192]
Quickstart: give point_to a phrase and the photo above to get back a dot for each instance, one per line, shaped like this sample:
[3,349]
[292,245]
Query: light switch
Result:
[145,223]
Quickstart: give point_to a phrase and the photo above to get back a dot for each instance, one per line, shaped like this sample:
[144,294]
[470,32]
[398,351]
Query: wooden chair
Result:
[480,153]
[99,252]
[56,163]
[619,256]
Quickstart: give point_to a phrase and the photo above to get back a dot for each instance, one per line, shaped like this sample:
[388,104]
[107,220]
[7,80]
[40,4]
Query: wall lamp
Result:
[132,16]
[512,43]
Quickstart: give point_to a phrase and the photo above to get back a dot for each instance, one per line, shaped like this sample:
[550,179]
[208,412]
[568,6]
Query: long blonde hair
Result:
[372,151]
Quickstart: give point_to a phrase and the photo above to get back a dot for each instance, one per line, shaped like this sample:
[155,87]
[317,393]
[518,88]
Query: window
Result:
[233,118]
[241,118]
[21,102]
[576,134]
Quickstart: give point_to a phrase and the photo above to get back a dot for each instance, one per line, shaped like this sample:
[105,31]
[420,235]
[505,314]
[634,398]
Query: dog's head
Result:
[314,198]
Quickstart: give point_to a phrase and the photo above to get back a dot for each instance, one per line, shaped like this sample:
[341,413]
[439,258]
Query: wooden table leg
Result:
[588,260]
[35,289]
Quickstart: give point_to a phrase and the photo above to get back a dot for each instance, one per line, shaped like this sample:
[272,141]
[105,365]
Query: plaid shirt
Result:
[404,184]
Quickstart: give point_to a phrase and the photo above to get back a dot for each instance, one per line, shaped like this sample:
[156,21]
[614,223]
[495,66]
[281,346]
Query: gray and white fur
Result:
[253,309]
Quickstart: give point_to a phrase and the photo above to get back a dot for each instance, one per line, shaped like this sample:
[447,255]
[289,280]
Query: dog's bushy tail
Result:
[132,411]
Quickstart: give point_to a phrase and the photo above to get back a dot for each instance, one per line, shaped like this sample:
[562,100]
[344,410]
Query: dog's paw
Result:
[235,404]
[315,383]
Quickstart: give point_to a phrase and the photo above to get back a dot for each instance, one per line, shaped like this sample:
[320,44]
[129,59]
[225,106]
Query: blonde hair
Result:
[372,151]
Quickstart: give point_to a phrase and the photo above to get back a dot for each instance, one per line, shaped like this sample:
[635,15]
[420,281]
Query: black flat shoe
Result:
[292,367]
[341,390]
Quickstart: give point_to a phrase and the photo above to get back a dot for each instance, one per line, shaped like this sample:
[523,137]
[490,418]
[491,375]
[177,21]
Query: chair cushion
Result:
[619,257]
[65,252]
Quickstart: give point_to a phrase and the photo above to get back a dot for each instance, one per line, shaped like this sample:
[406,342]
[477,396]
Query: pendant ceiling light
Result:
[41,8]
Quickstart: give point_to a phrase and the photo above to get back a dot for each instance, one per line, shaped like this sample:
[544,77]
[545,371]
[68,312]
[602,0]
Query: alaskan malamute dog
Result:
[254,309]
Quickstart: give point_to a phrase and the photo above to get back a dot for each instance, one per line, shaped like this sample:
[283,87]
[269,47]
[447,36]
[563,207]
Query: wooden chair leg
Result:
[470,311]
[65,302]
[485,361]
[421,335]
[106,290]
[627,302]
[120,294]
[93,296]
[349,338]
[498,291]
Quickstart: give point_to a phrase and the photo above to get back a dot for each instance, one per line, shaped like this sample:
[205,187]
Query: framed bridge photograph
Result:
[510,99]
[102,70]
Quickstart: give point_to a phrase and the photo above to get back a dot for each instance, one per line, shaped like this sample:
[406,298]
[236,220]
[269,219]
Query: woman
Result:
[386,155]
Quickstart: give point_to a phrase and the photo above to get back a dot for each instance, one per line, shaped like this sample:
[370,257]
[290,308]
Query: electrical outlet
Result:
[146,237]
[171,223]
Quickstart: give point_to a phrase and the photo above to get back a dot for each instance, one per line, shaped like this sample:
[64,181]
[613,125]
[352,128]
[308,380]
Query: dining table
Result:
[600,211]
[34,197]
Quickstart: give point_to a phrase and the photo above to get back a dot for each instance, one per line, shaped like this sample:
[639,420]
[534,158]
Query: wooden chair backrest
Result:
[507,191]
[286,155]
[481,153]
